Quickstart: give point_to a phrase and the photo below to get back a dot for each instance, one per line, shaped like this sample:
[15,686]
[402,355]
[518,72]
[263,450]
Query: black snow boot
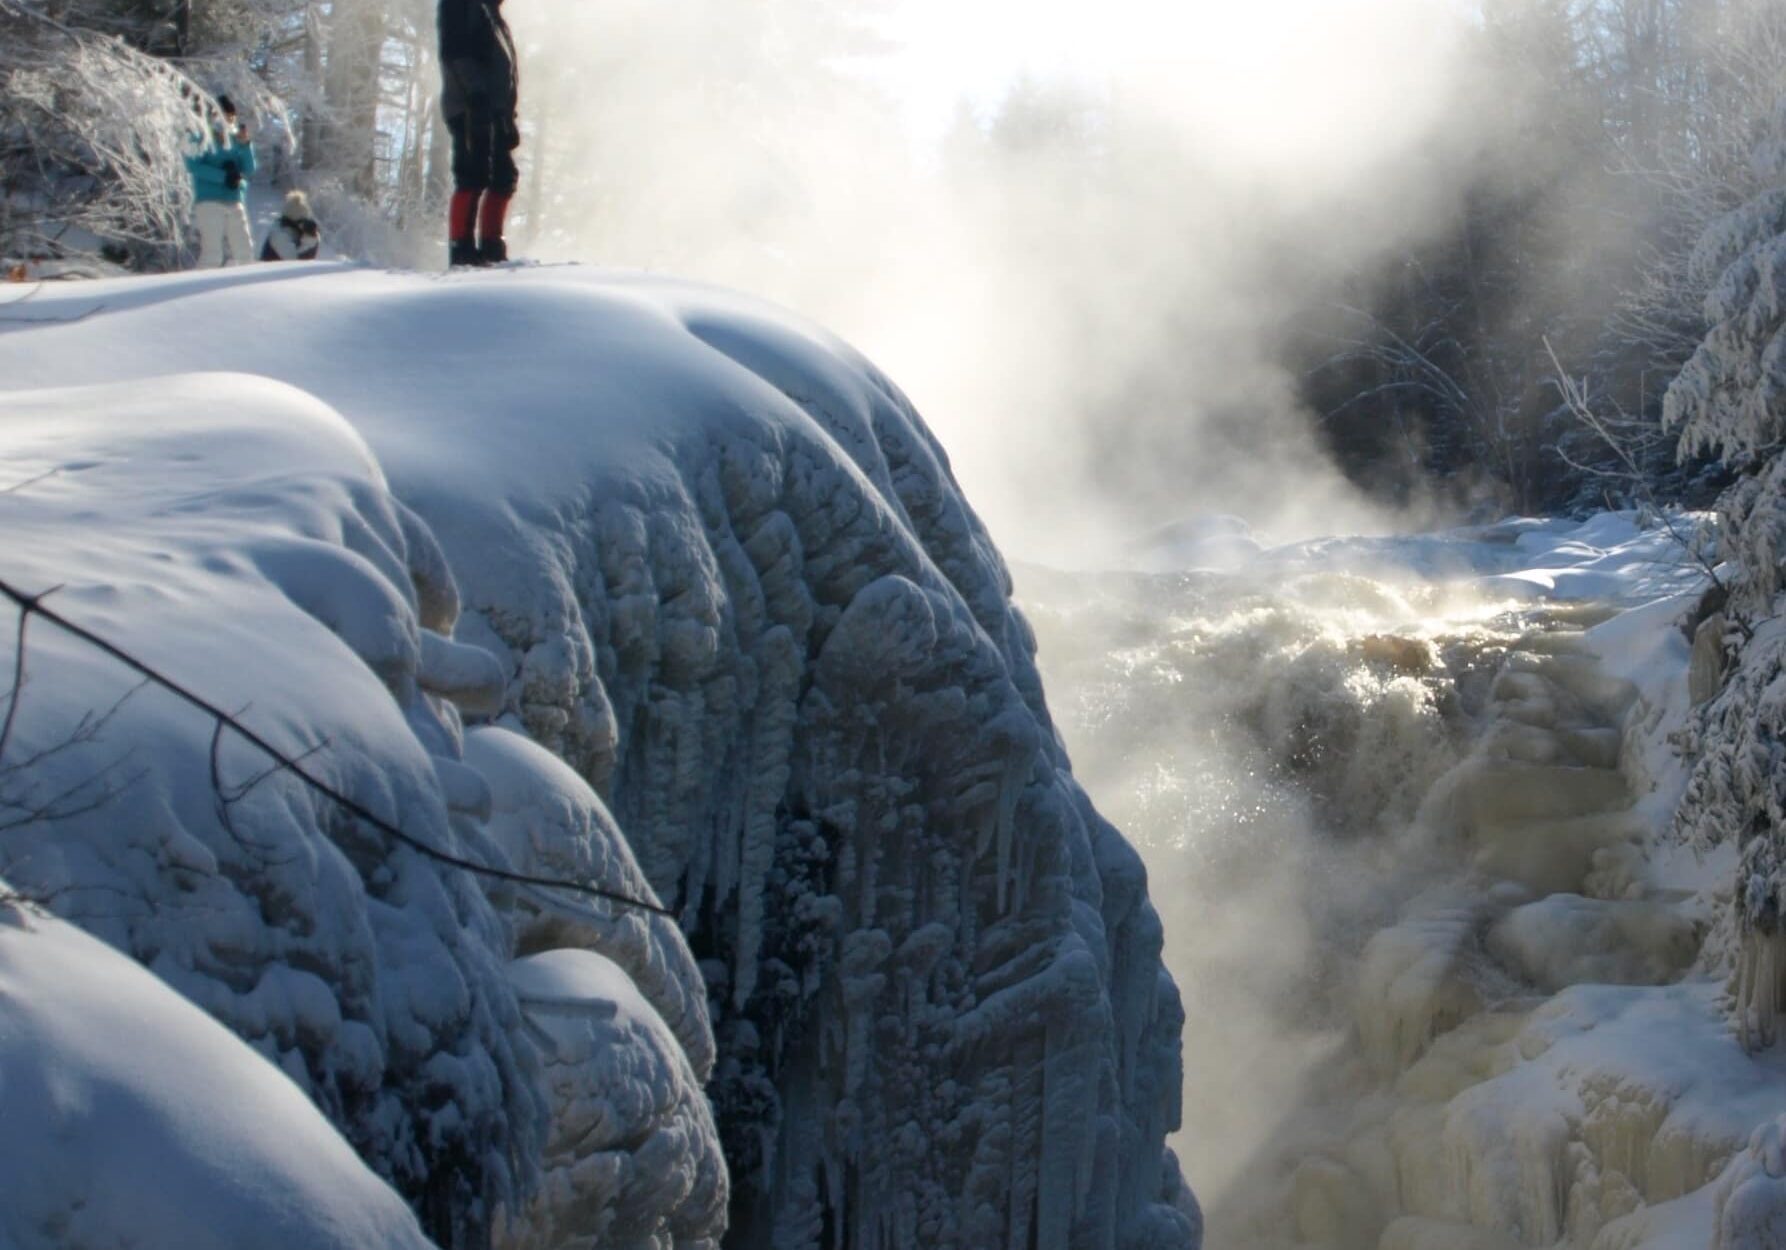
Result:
[462,252]
[492,252]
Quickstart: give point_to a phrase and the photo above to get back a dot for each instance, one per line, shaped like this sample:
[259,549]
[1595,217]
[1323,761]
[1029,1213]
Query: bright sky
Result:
[972,48]
[1208,53]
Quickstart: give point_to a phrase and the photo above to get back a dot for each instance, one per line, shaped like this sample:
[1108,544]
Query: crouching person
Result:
[295,236]
[220,173]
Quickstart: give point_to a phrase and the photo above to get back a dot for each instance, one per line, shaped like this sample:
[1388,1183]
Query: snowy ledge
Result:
[731,586]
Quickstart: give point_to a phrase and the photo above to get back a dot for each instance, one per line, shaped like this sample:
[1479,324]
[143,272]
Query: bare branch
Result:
[33,604]
[1631,475]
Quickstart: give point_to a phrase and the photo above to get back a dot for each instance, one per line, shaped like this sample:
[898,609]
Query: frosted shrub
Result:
[92,136]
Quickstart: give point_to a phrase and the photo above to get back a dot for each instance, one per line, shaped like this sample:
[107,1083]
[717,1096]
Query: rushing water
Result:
[1268,741]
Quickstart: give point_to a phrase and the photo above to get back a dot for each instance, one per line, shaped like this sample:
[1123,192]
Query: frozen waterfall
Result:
[1404,804]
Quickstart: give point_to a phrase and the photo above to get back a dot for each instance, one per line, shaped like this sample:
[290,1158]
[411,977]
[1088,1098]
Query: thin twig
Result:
[17,692]
[1575,399]
[29,604]
[30,481]
[53,808]
[53,321]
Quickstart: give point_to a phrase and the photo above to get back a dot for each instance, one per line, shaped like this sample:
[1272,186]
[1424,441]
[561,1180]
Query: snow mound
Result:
[135,1119]
[1750,1202]
[734,587]
[237,535]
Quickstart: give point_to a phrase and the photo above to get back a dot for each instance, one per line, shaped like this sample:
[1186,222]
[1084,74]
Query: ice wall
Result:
[736,589]
[795,670]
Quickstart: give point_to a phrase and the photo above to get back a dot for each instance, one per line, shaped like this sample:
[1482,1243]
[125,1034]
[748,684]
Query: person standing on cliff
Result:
[479,96]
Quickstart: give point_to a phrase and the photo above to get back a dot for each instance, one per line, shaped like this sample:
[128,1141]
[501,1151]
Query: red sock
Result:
[491,214]
[459,216]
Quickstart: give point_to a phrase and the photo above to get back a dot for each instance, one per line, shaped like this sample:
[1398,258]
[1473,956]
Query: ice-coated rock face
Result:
[735,588]
[935,976]
[632,1160]
[357,966]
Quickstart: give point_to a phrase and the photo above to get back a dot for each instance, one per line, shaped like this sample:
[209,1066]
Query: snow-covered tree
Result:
[1731,396]
[1731,399]
[92,135]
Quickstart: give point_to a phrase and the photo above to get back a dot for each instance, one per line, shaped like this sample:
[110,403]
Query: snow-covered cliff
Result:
[731,586]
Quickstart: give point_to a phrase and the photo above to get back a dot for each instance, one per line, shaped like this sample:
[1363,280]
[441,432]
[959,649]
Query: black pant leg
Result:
[471,150]
[504,177]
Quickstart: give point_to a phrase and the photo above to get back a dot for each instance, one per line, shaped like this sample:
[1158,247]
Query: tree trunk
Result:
[350,95]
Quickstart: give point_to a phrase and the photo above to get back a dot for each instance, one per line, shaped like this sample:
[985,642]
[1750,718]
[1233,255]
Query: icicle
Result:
[1010,786]
[1759,965]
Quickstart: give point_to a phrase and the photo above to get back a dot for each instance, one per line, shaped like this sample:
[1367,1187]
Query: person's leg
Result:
[493,212]
[237,234]
[470,176]
[207,216]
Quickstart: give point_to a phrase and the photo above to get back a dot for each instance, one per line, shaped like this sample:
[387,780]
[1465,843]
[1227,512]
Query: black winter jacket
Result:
[477,60]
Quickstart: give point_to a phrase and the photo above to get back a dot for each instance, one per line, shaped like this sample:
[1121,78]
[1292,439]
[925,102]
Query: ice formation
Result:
[1751,1198]
[630,1159]
[732,585]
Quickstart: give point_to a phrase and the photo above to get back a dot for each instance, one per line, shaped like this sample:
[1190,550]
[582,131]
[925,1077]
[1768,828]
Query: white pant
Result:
[222,224]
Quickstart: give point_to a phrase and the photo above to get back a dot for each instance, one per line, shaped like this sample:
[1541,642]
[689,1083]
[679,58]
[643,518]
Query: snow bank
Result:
[1611,557]
[734,587]
[259,558]
[236,534]
[1608,1099]
[135,1119]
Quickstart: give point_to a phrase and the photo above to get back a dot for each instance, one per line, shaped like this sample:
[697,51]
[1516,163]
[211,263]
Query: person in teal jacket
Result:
[220,172]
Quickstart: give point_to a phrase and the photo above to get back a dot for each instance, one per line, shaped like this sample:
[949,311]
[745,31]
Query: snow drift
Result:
[730,584]
[199,1141]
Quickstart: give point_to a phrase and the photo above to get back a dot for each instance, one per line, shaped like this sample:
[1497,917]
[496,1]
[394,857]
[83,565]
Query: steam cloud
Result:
[1085,283]
[1087,310]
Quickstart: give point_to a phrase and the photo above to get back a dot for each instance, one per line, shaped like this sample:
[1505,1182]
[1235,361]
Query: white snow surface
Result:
[132,1118]
[728,581]
[260,560]
[1611,557]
